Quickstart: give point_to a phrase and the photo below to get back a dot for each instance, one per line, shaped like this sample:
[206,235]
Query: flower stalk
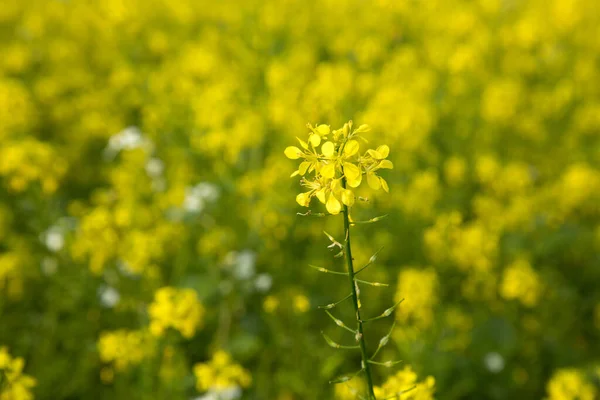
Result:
[356,301]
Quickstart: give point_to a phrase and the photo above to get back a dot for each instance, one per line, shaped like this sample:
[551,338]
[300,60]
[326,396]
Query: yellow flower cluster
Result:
[175,308]
[521,282]
[14,384]
[220,373]
[333,157]
[26,161]
[570,384]
[470,246]
[419,289]
[125,348]
[349,390]
[405,385]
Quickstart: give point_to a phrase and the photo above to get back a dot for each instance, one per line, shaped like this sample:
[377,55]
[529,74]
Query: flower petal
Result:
[323,130]
[302,143]
[351,148]
[328,149]
[384,150]
[314,139]
[384,185]
[336,186]
[293,153]
[353,174]
[348,197]
[373,181]
[385,164]
[303,167]
[363,128]
[328,171]
[303,199]
[333,205]
[321,195]
[376,155]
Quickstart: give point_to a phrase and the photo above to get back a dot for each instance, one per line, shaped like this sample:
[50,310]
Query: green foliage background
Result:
[112,111]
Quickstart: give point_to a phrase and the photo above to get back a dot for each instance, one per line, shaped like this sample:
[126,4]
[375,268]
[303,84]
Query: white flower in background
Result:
[197,196]
[155,167]
[54,239]
[207,396]
[207,191]
[193,203]
[244,266]
[128,139]
[109,297]
[49,266]
[263,282]
[494,362]
[230,393]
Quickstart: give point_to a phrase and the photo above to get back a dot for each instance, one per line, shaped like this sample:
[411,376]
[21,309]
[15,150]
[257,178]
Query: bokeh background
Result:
[150,246]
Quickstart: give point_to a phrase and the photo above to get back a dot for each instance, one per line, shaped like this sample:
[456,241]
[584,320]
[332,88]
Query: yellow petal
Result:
[385,164]
[302,143]
[351,171]
[314,139]
[363,128]
[373,181]
[321,196]
[303,199]
[376,155]
[336,185]
[323,130]
[348,197]
[384,150]
[303,167]
[293,153]
[294,173]
[384,184]
[351,148]
[353,174]
[333,205]
[328,149]
[328,171]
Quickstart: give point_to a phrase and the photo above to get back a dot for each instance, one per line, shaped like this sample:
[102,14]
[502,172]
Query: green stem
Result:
[355,301]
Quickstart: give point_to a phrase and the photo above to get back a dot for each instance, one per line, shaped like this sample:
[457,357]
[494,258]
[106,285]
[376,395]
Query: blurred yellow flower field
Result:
[151,247]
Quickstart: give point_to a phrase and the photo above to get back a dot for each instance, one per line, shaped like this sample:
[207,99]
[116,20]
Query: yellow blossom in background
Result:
[419,289]
[24,162]
[124,349]
[454,170]
[404,385]
[175,308]
[474,247]
[349,390]
[221,373]
[301,303]
[570,384]
[270,304]
[14,384]
[521,282]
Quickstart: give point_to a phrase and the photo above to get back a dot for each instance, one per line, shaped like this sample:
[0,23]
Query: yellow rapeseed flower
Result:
[334,159]
[221,372]
[175,308]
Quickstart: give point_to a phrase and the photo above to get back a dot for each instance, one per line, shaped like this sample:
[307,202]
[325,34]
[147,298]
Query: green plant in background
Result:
[332,167]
